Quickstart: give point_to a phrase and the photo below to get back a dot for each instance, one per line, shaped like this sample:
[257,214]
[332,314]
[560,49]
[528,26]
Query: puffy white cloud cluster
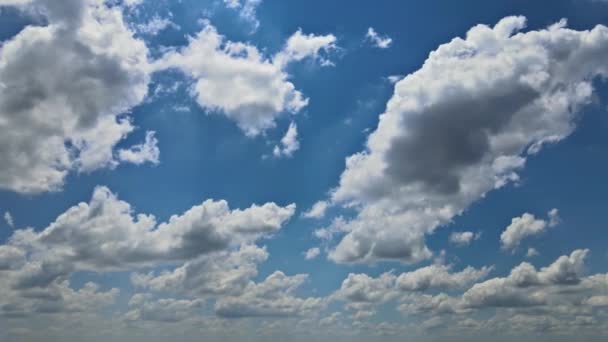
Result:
[259,90]
[460,126]
[64,91]
[215,244]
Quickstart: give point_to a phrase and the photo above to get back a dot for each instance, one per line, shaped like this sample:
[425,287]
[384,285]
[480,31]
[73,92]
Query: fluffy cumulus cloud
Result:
[289,143]
[259,87]
[377,40]
[362,291]
[559,292]
[214,242]
[460,126]
[273,297]
[525,226]
[64,91]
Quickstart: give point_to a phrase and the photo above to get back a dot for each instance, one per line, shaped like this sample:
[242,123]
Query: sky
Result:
[264,170]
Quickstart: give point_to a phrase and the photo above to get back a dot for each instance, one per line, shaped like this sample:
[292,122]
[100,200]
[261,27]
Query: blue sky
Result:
[255,169]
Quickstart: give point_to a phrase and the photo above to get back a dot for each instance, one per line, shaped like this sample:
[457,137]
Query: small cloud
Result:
[9,219]
[289,143]
[155,26]
[312,253]
[462,239]
[525,226]
[532,252]
[317,211]
[377,40]
[145,152]
[394,78]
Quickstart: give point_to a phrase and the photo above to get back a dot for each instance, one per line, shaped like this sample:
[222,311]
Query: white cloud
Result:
[8,218]
[300,46]
[155,25]
[105,235]
[216,245]
[273,297]
[439,277]
[260,90]
[463,238]
[379,41]
[289,143]
[532,252]
[525,226]
[317,211]
[361,291]
[422,166]
[247,10]
[66,88]
[219,273]
[312,253]
[161,310]
[145,152]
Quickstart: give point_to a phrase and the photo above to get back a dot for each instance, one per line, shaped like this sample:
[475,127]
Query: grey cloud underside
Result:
[453,134]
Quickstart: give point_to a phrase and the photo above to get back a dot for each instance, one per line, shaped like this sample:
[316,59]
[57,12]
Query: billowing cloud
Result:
[103,235]
[260,90]
[64,91]
[460,126]
[525,226]
[214,243]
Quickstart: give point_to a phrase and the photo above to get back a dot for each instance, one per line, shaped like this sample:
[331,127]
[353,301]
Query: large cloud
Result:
[63,88]
[103,235]
[460,126]
[258,87]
